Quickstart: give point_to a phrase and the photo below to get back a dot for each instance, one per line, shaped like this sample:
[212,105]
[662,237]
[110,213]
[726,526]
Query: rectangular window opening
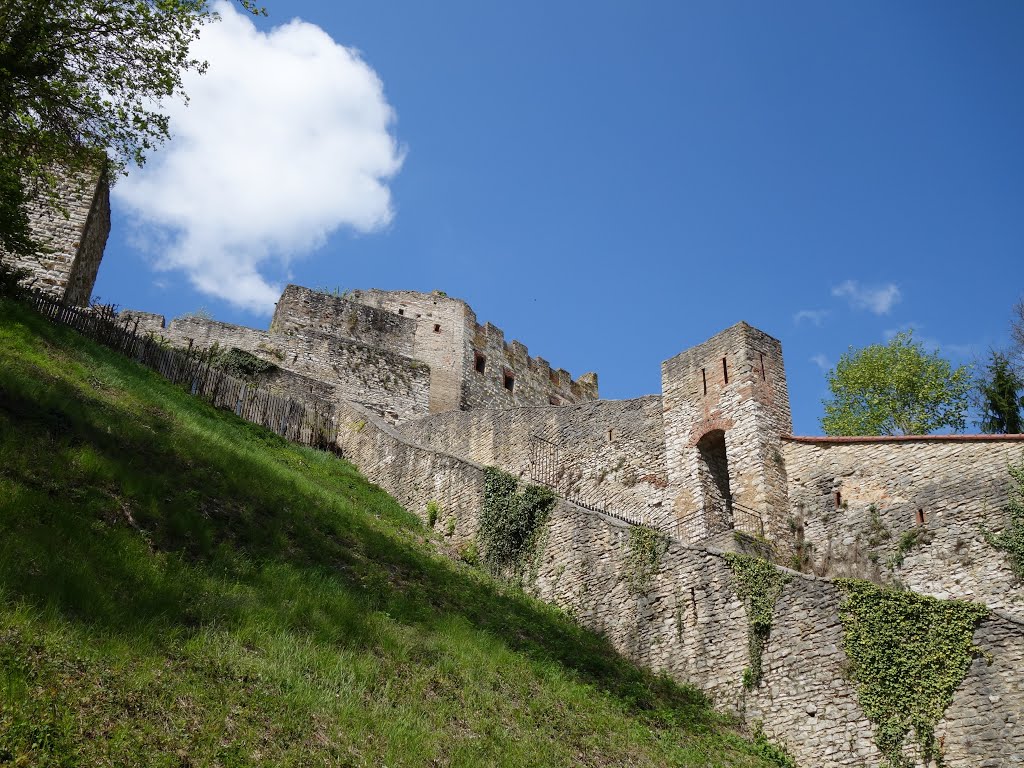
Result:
[437,327]
[920,517]
[725,371]
[839,499]
[480,363]
[704,377]
[401,311]
[763,377]
[510,381]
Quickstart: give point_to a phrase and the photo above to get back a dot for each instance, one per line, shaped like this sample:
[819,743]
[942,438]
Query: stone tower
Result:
[73,239]
[726,407]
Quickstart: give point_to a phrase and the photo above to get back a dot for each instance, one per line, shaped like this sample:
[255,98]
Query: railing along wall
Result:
[309,422]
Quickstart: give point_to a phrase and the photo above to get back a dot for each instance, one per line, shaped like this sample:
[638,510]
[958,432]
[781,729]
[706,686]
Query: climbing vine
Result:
[1011,540]
[908,654]
[510,520]
[646,548]
[760,584]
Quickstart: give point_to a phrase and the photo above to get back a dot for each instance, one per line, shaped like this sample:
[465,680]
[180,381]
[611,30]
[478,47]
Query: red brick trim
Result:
[708,425]
[909,439]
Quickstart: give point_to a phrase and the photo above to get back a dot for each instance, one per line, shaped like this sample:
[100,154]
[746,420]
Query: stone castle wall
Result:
[853,500]
[439,339]
[510,377]
[690,623]
[607,453]
[393,386]
[73,242]
[472,365]
[301,311]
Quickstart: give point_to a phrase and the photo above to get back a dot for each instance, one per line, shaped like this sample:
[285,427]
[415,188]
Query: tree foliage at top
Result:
[1000,397]
[893,389]
[81,86]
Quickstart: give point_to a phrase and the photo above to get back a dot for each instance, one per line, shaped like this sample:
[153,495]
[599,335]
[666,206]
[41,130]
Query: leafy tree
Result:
[895,388]
[1000,397]
[81,86]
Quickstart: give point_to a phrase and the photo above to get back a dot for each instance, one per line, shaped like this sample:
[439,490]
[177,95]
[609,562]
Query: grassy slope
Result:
[178,588]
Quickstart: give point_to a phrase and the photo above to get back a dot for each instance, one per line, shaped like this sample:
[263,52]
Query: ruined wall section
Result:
[726,407]
[909,511]
[474,366]
[391,385]
[609,454]
[303,311]
[690,623]
[74,242]
[440,337]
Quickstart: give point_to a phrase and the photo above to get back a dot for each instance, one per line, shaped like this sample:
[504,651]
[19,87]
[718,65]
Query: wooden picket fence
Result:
[309,422]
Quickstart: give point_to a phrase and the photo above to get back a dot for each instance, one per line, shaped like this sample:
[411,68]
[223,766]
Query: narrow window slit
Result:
[725,371]
[920,517]
[704,377]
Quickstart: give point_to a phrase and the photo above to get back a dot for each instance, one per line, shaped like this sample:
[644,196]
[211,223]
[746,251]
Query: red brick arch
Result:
[701,428]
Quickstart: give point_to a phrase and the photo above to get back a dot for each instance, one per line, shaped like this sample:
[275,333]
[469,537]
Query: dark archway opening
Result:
[714,481]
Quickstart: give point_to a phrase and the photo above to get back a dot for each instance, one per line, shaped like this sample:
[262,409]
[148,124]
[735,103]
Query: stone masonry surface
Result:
[74,242]
[390,384]
[725,407]
[855,501]
[472,366]
[691,624]
[607,453]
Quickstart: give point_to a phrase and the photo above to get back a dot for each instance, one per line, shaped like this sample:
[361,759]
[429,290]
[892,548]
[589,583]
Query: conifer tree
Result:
[1001,392]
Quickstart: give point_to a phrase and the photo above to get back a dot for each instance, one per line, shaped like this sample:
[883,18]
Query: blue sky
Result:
[608,182]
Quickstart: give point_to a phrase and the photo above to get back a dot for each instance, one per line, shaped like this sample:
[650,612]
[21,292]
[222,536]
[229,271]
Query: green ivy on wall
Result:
[242,364]
[646,548]
[759,584]
[908,654]
[510,520]
[1011,540]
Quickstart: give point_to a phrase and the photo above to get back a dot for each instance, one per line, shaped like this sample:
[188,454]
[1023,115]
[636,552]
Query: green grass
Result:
[180,588]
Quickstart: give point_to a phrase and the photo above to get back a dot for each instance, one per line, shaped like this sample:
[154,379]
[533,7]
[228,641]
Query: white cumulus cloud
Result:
[878,299]
[286,139]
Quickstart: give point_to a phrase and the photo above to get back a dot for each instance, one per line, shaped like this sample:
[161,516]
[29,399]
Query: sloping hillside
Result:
[179,588]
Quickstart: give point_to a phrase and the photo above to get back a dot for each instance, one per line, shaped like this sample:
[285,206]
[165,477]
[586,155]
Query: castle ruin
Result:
[710,462]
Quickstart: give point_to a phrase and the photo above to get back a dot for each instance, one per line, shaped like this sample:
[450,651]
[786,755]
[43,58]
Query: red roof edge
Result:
[908,439]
